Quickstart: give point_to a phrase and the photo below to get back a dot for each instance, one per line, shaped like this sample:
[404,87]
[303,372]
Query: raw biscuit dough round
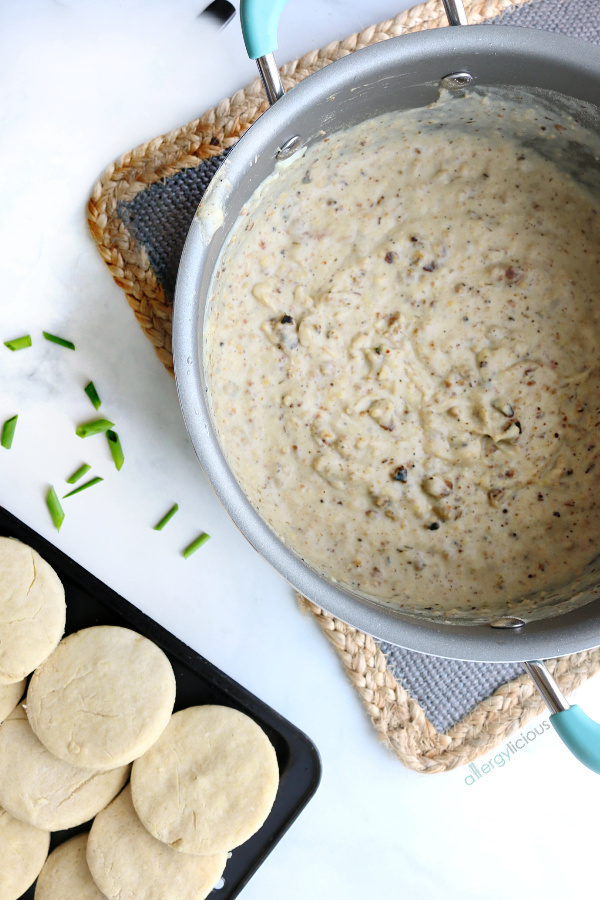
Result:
[32,610]
[208,783]
[126,861]
[102,698]
[23,851]
[10,694]
[66,875]
[43,790]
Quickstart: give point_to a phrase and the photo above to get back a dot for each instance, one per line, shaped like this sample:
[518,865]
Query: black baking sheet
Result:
[90,602]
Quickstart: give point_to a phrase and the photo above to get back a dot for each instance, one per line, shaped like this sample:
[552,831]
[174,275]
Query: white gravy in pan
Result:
[402,349]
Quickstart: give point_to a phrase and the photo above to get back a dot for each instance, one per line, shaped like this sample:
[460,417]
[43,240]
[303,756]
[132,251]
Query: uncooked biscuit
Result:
[43,790]
[10,694]
[208,783]
[126,861]
[102,698]
[66,875]
[32,610]
[23,850]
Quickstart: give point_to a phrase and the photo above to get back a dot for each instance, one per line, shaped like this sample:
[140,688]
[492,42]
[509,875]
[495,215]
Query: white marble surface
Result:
[81,81]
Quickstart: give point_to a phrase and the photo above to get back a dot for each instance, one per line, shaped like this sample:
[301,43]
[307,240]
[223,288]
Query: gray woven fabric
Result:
[159,218]
[445,688]
[577,18]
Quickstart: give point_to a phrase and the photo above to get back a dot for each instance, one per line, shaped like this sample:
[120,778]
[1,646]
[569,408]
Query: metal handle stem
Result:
[547,686]
[455,12]
[271,78]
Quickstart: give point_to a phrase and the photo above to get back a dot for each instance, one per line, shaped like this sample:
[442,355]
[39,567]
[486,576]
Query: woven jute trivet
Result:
[433,714]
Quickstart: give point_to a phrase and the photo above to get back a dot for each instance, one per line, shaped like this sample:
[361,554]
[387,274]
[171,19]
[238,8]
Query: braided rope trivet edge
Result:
[400,721]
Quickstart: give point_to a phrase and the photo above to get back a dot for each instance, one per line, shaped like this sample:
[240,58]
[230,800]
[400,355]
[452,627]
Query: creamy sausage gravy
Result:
[402,349]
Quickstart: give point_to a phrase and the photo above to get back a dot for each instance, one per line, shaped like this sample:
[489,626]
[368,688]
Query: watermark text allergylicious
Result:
[504,756]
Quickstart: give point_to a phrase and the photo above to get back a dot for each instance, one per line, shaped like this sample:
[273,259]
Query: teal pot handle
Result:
[580,734]
[260,19]
[577,731]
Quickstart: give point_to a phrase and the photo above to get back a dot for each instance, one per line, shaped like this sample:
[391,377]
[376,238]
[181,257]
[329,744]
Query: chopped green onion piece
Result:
[92,394]
[19,343]
[8,432]
[81,471]
[98,426]
[82,487]
[58,340]
[195,545]
[56,510]
[166,518]
[115,448]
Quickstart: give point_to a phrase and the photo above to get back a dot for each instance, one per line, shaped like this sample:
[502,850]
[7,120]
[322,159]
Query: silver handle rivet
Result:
[456,80]
[290,146]
[507,622]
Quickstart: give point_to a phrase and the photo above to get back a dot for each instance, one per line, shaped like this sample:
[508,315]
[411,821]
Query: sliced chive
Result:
[195,545]
[115,448]
[82,487]
[58,340]
[81,471]
[98,426]
[56,510]
[19,343]
[8,432]
[166,518]
[92,394]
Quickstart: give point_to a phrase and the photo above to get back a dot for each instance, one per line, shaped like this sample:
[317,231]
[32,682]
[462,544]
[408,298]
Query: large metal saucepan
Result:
[397,74]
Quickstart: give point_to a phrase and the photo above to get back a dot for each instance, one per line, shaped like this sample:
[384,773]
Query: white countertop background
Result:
[82,81]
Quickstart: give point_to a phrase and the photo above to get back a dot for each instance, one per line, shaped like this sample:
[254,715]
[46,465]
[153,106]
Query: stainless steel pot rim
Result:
[545,638]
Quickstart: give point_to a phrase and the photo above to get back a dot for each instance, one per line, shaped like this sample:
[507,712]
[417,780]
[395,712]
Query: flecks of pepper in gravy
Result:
[402,350]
